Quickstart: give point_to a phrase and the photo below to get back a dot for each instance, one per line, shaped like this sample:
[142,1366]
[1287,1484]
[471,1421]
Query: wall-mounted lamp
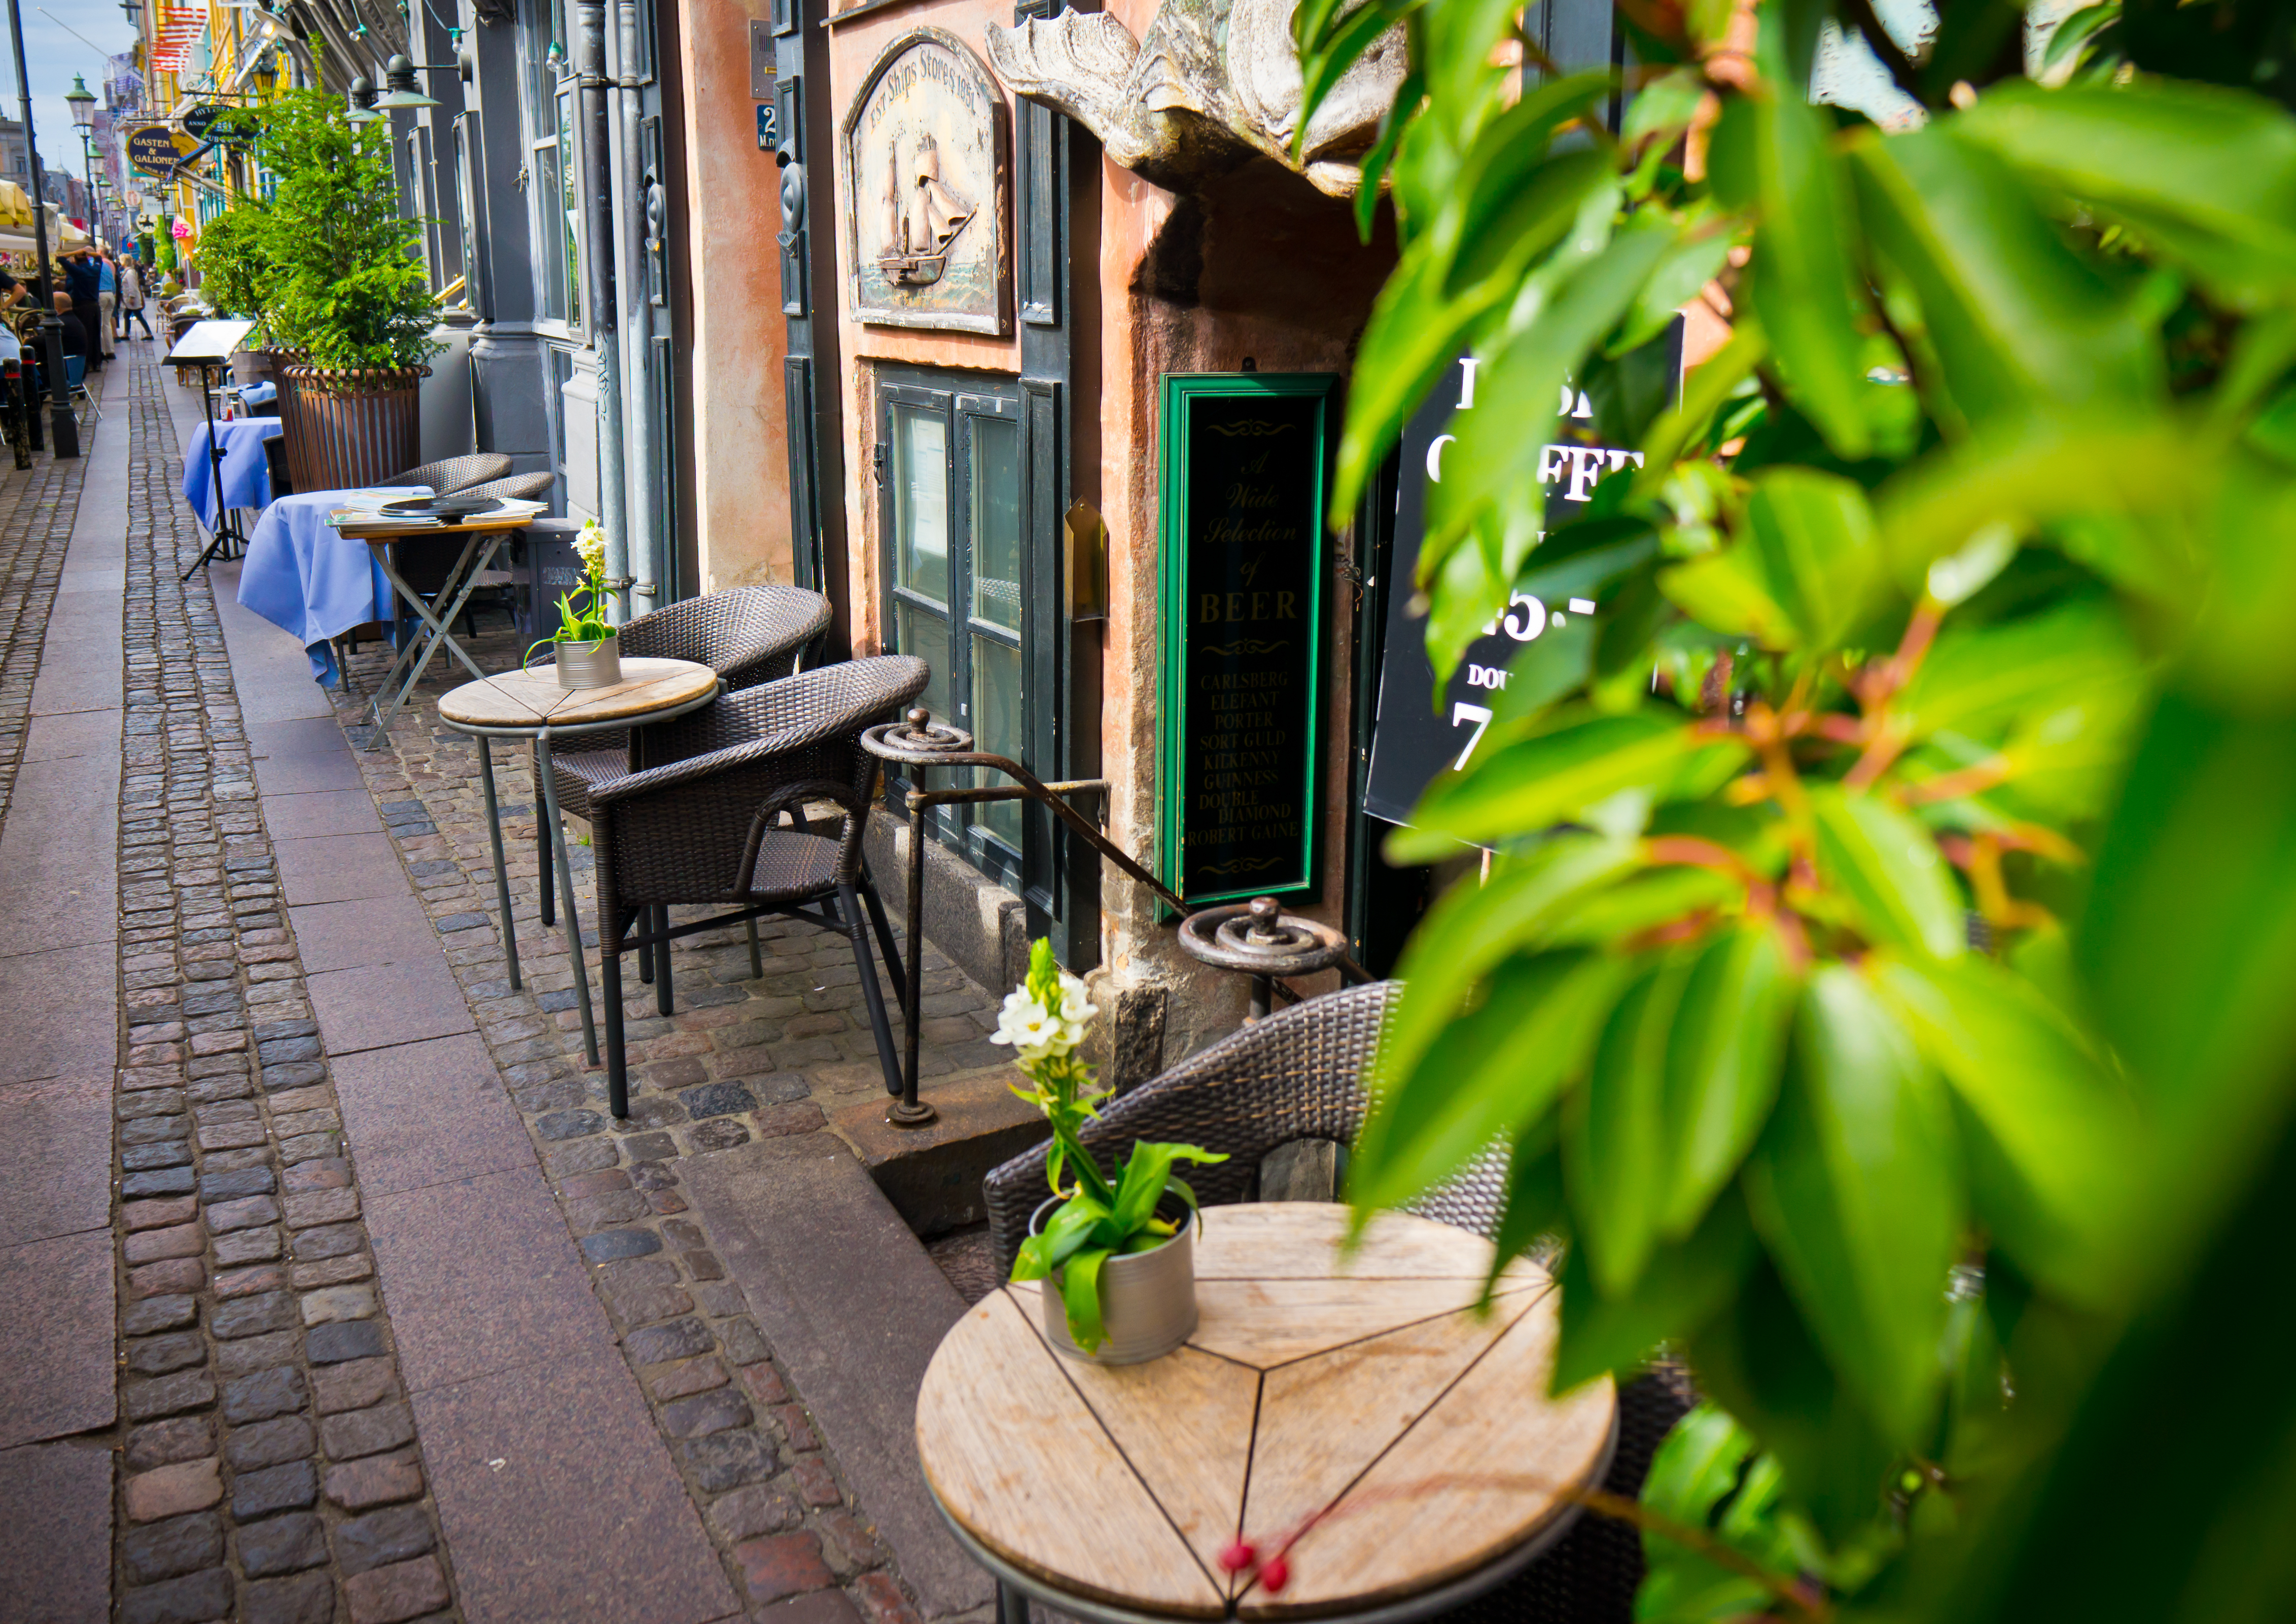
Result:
[362,101]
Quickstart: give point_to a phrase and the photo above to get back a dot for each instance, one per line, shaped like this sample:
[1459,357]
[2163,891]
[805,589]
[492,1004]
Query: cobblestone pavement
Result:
[741,1059]
[36,520]
[270,1471]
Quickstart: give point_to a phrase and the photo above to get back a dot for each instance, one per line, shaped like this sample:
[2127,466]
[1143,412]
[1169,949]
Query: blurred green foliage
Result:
[1881,980]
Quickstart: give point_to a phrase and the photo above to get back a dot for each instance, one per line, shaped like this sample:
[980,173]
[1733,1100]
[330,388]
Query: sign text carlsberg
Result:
[1412,741]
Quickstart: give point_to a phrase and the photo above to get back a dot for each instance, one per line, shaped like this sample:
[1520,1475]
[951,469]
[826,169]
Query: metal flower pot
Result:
[1147,1300]
[594,664]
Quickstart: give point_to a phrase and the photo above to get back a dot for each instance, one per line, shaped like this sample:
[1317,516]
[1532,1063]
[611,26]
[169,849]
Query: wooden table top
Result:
[534,699]
[1365,1395]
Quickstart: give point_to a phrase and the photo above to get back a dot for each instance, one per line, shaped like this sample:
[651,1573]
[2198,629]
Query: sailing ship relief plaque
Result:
[1242,560]
[924,190]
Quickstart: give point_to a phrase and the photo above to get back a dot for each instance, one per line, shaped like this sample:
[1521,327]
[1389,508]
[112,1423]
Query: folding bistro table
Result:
[533,705]
[484,535]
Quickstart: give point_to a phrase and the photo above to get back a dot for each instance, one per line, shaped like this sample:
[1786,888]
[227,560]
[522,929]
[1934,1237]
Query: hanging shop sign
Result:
[1241,523]
[156,149]
[925,190]
[1414,741]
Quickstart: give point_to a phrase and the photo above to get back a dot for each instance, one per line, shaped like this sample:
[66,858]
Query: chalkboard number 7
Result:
[1480,716]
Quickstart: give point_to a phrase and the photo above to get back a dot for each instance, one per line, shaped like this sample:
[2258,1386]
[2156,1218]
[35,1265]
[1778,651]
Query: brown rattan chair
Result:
[1299,1074]
[721,822]
[748,636]
[454,474]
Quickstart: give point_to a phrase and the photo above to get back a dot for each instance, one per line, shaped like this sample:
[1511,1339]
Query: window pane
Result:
[925,634]
[997,521]
[553,247]
[997,727]
[921,501]
[571,202]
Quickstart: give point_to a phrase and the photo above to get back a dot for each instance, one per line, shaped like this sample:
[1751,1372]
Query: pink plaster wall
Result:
[741,433]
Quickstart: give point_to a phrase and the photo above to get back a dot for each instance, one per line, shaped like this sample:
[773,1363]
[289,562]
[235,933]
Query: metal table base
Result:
[419,647]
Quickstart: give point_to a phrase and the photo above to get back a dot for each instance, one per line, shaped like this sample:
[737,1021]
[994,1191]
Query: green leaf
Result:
[1855,1193]
[1613,1141]
[1683,1287]
[1722,1067]
[1708,1474]
[1552,778]
[1473,928]
[1080,1296]
[1490,1073]
[2053,1139]
[2207,173]
[1818,550]
[2019,320]
[1885,863]
[1981,680]
[1727,592]
[1535,1202]
[1771,158]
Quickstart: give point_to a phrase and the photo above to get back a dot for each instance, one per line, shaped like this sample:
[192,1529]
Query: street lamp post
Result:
[63,424]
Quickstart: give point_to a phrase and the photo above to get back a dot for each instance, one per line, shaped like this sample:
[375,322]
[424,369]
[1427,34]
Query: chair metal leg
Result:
[856,930]
[645,949]
[542,847]
[610,932]
[885,944]
[757,953]
[665,998]
[1012,1605]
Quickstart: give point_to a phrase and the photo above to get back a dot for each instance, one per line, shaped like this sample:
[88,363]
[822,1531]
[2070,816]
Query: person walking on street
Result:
[131,297]
[84,286]
[107,299]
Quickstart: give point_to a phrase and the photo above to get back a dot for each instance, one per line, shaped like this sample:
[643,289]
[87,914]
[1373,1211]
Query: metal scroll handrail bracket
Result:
[1251,937]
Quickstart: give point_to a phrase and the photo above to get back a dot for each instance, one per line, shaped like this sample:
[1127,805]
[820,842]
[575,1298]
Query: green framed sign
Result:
[1242,571]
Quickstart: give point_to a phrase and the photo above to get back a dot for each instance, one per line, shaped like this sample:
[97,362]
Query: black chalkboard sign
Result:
[1412,743]
[1243,565]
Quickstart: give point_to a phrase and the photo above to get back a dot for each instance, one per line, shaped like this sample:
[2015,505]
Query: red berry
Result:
[1276,1574]
[1238,1556]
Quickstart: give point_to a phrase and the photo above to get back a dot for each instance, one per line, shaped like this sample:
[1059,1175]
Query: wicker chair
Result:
[454,474]
[1299,1075]
[518,487]
[747,635]
[705,827]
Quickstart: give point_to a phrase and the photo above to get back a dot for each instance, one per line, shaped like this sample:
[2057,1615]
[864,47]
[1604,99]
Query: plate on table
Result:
[447,509]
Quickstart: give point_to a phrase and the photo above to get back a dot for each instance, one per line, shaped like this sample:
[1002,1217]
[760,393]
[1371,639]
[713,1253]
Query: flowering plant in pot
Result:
[1120,1252]
[589,652]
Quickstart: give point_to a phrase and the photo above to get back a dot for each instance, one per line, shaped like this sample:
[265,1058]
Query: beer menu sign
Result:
[1243,565]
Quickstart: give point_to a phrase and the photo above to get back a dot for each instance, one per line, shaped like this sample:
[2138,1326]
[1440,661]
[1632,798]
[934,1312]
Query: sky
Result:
[53,55]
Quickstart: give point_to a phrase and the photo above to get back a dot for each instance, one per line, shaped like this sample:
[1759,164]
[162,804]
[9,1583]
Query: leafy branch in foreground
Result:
[1880,977]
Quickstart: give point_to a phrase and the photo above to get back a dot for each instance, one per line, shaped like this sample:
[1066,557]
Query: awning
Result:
[187,20]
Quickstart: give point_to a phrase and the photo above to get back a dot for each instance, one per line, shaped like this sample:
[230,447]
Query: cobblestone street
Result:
[329,1289]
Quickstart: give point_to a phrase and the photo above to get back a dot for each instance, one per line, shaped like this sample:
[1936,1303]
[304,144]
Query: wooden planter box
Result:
[350,429]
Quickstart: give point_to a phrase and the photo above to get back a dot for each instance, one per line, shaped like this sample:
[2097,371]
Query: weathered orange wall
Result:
[740,431]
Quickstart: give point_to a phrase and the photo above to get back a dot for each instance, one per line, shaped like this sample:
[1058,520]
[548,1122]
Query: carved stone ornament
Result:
[925,190]
[1213,83]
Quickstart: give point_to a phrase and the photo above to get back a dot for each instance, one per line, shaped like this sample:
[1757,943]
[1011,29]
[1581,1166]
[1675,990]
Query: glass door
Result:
[956,593]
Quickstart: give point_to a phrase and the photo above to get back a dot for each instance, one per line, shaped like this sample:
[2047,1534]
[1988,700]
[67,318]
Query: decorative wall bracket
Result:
[1213,84]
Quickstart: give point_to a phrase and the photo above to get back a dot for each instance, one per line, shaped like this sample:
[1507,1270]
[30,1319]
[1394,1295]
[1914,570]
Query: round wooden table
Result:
[533,705]
[1358,1409]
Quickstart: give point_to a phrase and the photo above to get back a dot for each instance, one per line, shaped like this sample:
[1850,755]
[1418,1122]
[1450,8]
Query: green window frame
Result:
[1187,560]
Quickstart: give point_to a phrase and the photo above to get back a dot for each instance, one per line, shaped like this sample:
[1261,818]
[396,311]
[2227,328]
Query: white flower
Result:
[590,545]
[1027,1025]
[1076,1006]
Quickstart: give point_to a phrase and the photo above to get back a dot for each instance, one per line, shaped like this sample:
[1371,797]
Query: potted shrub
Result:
[1119,1254]
[236,279]
[589,652]
[349,294]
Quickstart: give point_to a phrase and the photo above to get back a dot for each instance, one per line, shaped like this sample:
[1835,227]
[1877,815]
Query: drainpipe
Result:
[598,292]
[636,309]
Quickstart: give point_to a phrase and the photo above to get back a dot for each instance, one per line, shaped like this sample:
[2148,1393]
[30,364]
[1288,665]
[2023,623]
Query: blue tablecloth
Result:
[304,577]
[246,470]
